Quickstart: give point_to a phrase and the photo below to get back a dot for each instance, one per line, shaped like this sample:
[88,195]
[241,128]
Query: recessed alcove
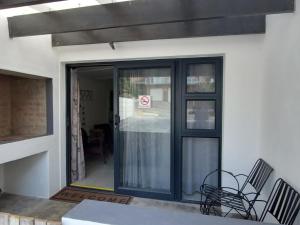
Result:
[25,106]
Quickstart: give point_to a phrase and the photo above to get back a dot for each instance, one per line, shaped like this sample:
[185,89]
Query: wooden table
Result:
[103,213]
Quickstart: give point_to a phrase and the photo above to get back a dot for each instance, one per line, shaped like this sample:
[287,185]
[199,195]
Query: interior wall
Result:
[27,176]
[280,134]
[5,106]
[97,108]
[35,56]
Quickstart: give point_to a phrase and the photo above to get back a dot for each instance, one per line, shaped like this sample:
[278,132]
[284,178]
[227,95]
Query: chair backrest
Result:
[258,176]
[283,203]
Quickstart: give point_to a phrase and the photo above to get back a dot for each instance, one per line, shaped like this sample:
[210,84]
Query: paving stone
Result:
[4,219]
[14,220]
[26,221]
[40,222]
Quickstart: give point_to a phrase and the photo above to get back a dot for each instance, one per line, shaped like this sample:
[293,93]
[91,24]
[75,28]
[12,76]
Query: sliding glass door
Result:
[167,127]
[143,124]
[165,148]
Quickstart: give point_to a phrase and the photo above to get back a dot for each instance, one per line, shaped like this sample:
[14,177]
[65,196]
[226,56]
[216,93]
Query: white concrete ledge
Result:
[103,213]
[8,219]
[25,148]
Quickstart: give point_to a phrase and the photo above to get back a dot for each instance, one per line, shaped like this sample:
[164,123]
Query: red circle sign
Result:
[144,100]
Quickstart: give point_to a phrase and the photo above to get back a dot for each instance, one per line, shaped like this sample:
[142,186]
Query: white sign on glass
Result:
[144,102]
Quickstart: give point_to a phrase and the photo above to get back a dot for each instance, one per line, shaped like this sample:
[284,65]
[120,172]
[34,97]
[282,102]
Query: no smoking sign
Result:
[144,101]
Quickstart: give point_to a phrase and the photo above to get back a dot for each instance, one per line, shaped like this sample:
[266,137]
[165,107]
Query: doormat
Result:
[75,195]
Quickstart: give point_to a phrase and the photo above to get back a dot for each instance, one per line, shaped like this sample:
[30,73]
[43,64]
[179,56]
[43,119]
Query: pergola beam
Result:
[140,12]
[200,28]
[5,4]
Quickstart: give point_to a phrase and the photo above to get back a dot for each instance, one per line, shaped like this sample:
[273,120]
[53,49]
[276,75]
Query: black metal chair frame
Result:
[235,198]
[283,203]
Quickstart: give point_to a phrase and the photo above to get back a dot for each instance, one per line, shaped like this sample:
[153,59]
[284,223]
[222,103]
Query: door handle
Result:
[117,121]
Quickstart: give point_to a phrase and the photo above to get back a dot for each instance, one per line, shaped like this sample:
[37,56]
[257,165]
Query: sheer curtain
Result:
[77,152]
[147,161]
[145,132]
[200,157]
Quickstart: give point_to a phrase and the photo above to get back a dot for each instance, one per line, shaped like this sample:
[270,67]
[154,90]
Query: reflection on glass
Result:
[145,128]
[201,78]
[201,114]
[199,157]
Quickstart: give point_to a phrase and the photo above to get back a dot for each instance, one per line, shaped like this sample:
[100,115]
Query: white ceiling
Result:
[54,6]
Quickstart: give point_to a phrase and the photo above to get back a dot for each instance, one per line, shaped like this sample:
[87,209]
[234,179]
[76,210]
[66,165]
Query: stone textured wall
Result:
[23,110]
[5,106]
[29,111]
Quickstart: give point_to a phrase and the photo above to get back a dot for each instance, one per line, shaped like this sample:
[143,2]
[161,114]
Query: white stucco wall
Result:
[261,85]
[281,106]
[28,176]
[280,134]
[32,55]
[243,73]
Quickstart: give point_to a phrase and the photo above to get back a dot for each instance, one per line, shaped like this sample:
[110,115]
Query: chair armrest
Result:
[222,171]
[241,174]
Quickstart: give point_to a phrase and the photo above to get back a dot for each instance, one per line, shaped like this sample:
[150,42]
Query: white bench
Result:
[103,213]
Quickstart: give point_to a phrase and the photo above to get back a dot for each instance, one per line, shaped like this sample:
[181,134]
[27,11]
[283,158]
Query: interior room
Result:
[96,126]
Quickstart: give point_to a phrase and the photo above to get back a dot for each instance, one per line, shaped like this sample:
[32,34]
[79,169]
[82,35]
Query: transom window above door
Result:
[201,78]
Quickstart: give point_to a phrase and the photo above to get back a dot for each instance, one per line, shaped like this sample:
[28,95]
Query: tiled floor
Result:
[98,174]
[54,210]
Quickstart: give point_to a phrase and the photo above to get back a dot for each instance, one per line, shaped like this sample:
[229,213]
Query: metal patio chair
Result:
[237,199]
[283,203]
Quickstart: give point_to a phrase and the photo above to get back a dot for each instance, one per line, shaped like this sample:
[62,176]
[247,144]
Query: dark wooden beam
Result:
[200,28]
[140,12]
[5,4]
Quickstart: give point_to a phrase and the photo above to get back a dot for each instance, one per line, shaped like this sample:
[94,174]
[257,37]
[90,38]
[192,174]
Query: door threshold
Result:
[92,187]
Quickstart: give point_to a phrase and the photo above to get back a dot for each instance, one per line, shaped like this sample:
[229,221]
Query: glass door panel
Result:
[200,114]
[144,100]
[200,134]
[199,157]
[201,78]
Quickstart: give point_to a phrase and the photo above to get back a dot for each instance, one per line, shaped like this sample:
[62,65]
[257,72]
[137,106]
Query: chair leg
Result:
[202,208]
[205,209]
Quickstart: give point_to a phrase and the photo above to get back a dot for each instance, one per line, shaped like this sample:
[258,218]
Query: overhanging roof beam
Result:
[200,28]
[5,4]
[140,12]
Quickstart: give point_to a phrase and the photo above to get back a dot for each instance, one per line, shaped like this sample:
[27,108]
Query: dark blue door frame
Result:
[118,185]
[181,108]
[178,130]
